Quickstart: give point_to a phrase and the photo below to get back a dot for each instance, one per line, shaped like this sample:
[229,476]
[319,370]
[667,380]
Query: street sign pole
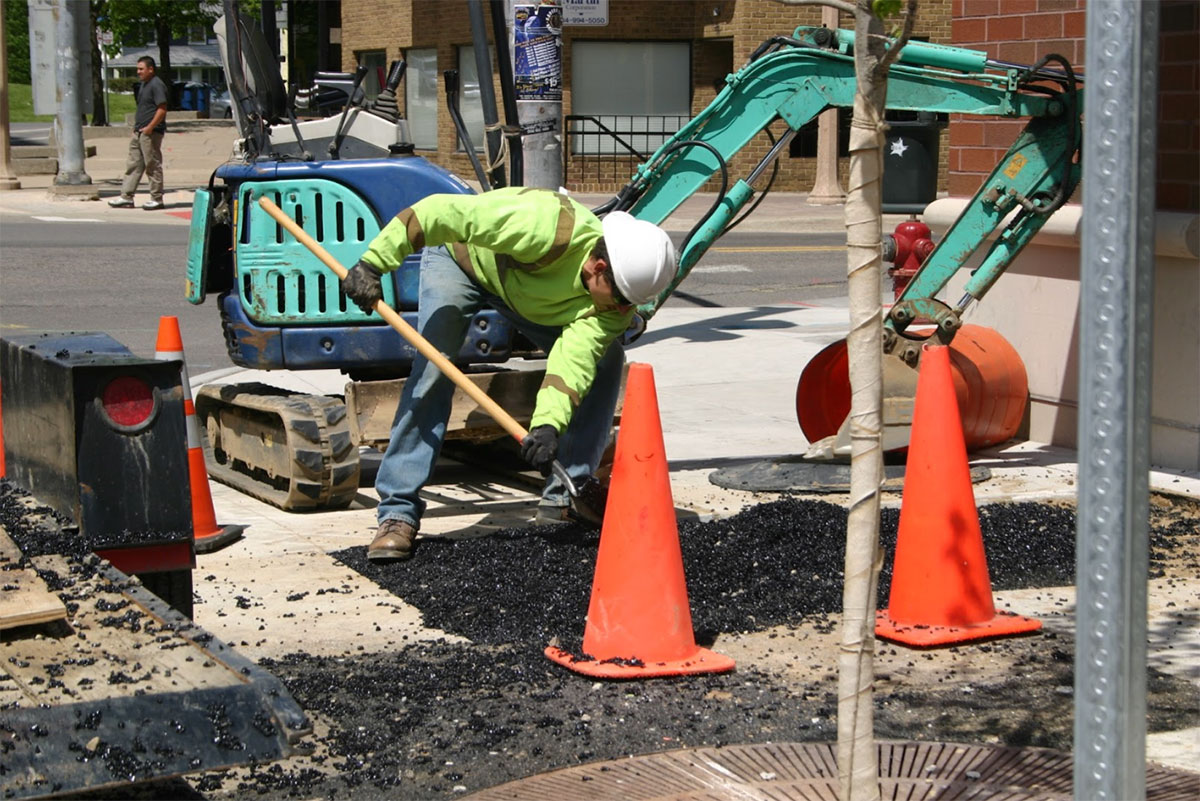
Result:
[105,38]
[537,74]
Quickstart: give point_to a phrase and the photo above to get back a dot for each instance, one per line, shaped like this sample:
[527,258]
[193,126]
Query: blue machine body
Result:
[281,308]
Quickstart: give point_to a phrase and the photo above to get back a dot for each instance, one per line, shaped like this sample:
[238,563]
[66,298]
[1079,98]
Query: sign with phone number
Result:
[585,12]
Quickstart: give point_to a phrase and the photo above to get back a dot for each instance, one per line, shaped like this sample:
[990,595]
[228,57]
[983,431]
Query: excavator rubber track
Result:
[290,449]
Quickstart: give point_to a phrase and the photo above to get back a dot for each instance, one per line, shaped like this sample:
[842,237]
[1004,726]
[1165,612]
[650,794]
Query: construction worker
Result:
[566,279]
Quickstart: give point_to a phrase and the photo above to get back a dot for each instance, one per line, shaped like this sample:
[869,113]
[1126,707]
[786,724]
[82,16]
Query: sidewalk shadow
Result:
[720,329]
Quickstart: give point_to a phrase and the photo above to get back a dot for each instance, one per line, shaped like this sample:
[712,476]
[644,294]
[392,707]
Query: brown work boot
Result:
[394,541]
[548,515]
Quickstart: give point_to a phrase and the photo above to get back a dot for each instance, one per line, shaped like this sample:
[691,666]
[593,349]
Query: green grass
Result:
[20,106]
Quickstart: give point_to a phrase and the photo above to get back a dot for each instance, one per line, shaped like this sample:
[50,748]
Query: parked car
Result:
[220,107]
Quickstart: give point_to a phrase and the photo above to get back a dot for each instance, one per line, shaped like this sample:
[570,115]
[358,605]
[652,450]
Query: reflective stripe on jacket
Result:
[526,246]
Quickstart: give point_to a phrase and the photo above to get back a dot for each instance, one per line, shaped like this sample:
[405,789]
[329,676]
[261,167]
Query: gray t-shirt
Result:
[151,95]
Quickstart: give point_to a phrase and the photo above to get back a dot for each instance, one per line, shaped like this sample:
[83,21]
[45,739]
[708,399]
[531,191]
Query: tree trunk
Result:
[858,769]
[162,30]
[99,107]
[857,765]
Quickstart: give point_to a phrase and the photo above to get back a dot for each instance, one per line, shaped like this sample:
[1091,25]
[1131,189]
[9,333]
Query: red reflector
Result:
[128,401]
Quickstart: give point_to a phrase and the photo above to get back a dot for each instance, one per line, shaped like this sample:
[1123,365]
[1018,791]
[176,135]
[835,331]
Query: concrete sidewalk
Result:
[192,149]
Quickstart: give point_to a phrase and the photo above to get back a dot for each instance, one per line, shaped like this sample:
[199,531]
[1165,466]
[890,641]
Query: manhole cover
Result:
[793,473]
[808,771]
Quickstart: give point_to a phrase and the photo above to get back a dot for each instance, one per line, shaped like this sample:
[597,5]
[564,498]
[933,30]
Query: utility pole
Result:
[8,180]
[493,136]
[72,182]
[827,189]
[537,73]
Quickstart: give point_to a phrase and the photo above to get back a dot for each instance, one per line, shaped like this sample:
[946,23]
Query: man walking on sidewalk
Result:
[145,148]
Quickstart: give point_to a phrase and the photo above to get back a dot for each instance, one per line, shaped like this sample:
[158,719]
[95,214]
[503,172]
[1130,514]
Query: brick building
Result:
[1024,31]
[689,46]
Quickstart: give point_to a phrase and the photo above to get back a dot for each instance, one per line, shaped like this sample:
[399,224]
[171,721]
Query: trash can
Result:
[185,96]
[203,96]
[910,160]
[193,96]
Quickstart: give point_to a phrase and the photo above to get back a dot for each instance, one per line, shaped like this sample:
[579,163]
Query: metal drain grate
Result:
[808,772]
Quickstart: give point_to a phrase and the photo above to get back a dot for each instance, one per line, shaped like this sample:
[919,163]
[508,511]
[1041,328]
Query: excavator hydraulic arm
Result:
[1036,176]
[794,79]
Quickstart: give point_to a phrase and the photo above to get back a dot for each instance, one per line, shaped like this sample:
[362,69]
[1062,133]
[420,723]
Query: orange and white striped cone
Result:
[209,535]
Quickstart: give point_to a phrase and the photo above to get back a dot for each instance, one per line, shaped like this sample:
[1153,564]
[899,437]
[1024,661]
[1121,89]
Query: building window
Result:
[639,91]
[376,63]
[470,101]
[421,96]
[197,34]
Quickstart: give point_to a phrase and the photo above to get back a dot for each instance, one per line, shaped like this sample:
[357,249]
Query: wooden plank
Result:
[372,405]
[114,647]
[24,598]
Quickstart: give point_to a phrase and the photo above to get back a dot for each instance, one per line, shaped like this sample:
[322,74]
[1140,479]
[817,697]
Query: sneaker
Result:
[121,202]
[394,541]
[150,205]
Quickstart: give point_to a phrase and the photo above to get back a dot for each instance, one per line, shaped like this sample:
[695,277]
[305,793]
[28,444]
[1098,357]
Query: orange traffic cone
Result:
[941,591]
[639,623]
[209,536]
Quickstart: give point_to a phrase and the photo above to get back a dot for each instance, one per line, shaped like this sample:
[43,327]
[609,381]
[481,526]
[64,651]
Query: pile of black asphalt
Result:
[440,718]
[443,718]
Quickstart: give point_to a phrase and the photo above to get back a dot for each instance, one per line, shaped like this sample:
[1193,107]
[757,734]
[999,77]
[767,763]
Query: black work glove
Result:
[637,327]
[363,285]
[539,448]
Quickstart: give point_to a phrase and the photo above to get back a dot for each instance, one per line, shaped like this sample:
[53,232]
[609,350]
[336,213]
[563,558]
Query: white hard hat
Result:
[641,256]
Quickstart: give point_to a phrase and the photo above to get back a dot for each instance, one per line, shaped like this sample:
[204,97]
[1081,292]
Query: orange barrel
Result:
[989,380]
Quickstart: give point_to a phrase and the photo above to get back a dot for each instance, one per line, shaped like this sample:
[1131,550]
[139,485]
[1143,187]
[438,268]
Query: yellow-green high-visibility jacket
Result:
[527,246]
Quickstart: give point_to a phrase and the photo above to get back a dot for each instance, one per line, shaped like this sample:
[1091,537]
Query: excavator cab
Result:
[342,179]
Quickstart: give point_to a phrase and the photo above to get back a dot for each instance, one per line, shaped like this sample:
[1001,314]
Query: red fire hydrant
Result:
[907,248]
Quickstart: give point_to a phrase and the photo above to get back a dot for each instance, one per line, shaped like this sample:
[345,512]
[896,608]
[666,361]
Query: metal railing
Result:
[603,150]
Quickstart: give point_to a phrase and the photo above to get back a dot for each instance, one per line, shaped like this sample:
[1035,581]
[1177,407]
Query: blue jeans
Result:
[448,301]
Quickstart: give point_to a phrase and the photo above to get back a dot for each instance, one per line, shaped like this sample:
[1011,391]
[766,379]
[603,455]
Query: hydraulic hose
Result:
[451,79]
[1070,92]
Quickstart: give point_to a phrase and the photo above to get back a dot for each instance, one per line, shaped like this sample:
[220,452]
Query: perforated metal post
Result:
[1116,269]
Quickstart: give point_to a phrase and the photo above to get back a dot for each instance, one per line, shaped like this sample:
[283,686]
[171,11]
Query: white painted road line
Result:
[722,268]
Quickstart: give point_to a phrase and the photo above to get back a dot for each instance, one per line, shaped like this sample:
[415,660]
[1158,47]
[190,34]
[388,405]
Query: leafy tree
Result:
[130,22]
[16,34]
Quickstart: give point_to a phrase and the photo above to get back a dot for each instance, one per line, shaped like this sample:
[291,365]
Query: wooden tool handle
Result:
[397,322]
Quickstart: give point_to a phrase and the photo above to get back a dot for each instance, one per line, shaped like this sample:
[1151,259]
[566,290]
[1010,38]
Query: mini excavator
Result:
[282,310]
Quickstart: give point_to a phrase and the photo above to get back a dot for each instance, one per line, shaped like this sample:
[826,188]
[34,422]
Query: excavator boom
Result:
[794,79]
[791,80]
